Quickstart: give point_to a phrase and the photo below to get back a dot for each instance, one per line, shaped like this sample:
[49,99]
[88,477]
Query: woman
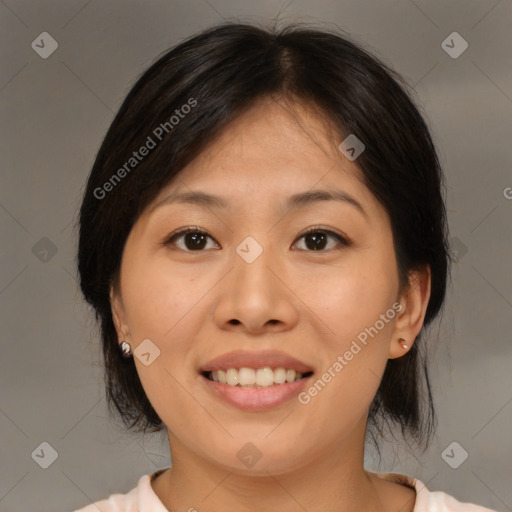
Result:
[263,240]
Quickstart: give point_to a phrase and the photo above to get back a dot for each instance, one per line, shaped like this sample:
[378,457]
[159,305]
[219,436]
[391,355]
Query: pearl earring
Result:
[125,350]
[403,343]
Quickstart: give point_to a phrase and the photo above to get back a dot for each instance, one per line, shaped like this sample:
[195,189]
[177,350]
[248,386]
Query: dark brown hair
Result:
[218,74]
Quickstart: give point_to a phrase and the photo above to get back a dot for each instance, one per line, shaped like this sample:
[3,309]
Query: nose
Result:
[255,297]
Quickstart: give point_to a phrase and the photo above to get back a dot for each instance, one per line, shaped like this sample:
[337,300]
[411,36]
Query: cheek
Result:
[355,301]
[157,300]
[162,306]
[351,297]
[355,352]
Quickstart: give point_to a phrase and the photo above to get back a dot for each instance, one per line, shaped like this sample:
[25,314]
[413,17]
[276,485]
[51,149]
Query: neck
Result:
[333,479]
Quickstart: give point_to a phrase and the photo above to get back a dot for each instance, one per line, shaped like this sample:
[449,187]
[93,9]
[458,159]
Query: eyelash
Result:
[315,229]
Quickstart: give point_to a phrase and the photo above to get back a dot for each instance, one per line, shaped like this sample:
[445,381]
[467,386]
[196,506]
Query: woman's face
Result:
[256,283]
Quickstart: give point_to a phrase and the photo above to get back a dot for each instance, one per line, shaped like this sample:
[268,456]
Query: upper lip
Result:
[255,360]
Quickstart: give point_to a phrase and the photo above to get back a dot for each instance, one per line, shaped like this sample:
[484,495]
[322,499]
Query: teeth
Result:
[280,375]
[232,377]
[249,378]
[265,377]
[291,375]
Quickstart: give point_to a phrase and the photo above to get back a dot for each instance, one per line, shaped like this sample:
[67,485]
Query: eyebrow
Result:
[293,202]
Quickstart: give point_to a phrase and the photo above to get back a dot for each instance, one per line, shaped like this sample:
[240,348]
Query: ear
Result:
[409,320]
[119,315]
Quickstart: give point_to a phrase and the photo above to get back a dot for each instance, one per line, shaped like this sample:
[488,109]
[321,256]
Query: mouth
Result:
[266,368]
[255,378]
[255,381]
[243,392]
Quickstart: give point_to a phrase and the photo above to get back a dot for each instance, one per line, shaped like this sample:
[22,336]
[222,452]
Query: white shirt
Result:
[142,498]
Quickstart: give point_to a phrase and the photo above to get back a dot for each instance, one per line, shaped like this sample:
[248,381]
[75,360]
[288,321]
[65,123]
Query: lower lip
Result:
[255,399]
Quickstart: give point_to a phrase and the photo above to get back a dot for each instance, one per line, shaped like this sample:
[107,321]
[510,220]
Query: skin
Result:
[308,303]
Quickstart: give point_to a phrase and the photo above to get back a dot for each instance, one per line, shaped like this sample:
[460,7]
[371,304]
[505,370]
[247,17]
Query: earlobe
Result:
[409,321]
[400,350]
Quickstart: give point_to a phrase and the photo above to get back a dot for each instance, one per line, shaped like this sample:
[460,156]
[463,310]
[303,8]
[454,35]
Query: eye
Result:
[316,239]
[194,239]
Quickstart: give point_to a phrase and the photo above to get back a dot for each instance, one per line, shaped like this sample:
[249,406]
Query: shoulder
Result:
[438,501]
[115,503]
[141,497]
[433,501]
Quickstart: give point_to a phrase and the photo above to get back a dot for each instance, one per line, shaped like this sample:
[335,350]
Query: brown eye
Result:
[193,239]
[317,239]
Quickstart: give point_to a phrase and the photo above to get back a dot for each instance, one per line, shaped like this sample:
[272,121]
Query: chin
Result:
[252,459]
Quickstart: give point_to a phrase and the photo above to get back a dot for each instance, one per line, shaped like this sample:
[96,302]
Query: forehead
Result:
[273,149]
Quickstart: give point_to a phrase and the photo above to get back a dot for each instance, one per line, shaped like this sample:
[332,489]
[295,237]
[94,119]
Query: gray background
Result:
[55,112]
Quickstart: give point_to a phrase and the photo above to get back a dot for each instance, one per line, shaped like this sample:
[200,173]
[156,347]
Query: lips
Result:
[254,399]
[255,360]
